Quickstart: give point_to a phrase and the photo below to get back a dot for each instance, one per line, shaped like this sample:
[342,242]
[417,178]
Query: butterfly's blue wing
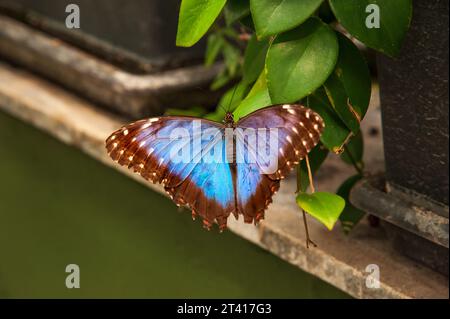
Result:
[297,129]
[215,189]
[205,186]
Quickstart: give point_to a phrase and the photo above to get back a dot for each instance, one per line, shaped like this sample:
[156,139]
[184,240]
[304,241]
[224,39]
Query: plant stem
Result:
[311,184]
[308,239]
[313,190]
[352,159]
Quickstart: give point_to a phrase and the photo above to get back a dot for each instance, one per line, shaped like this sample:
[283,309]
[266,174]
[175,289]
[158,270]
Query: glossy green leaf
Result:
[216,116]
[195,18]
[229,101]
[254,59]
[193,111]
[276,16]
[222,79]
[232,57]
[349,86]
[257,98]
[300,61]
[354,151]
[236,10]
[360,19]
[214,46]
[351,215]
[316,158]
[325,207]
[335,132]
[340,102]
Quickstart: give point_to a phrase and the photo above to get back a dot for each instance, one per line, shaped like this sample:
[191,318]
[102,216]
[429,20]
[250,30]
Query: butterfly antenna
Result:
[232,98]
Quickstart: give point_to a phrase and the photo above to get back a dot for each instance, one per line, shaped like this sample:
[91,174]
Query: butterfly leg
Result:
[206,224]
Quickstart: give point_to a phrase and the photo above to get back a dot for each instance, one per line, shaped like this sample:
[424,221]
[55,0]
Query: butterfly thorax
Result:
[229,120]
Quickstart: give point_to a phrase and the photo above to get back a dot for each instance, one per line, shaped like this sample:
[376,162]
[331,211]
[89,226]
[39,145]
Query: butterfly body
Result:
[218,169]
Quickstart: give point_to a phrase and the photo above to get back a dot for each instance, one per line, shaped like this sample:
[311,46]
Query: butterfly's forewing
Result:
[298,131]
[145,146]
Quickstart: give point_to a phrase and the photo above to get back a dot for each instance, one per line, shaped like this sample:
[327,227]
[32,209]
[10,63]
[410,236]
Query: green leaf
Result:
[336,132]
[276,16]
[193,111]
[300,61]
[236,10]
[254,58]
[351,215]
[349,86]
[221,80]
[354,151]
[394,17]
[232,57]
[316,158]
[229,101]
[257,98]
[213,48]
[196,17]
[215,116]
[325,207]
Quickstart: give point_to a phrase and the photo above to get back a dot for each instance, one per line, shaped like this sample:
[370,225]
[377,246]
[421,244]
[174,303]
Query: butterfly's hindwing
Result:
[298,131]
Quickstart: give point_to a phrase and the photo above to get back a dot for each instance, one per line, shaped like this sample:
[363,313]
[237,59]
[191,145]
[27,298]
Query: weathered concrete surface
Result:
[339,259]
[134,95]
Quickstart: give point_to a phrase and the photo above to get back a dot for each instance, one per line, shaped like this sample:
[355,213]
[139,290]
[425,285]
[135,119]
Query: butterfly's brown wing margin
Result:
[299,130]
[136,146]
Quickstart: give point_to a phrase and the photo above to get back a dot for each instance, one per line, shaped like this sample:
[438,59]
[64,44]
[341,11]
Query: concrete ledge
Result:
[339,259]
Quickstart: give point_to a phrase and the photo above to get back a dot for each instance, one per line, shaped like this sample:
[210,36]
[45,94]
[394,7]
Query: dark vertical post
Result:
[414,100]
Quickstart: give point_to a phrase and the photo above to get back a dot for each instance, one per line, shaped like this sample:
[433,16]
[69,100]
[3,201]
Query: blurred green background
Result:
[59,206]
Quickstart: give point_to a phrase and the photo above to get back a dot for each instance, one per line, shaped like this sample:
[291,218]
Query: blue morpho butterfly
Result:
[215,189]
